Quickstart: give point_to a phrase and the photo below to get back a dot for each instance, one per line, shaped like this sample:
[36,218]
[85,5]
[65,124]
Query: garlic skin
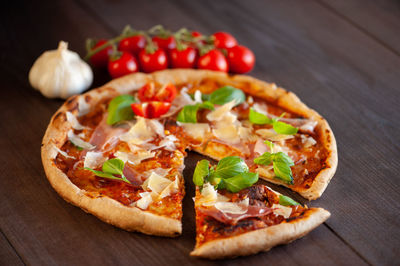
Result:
[60,73]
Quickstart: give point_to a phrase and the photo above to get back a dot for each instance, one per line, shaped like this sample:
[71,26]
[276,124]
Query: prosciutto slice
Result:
[230,218]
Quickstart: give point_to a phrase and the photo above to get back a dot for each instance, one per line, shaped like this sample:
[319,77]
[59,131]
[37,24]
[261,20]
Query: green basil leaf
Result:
[101,174]
[264,159]
[120,109]
[114,166]
[204,97]
[188,114]
[240,181]
[286,201]
[283,158]
[259,118]
[283,128]
[283,171]
[230,167]
[227,94]
[200,172]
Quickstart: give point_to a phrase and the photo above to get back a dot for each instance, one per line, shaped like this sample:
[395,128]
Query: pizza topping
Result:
[93,159]
[282,210]
[219,113]
[111,168]
[307,141]
[142,131]
[278,126]
[145,201]
[196,130]
[281,163]
[166,93]
[77,141]
[286,201]
[134,158]
[83,106]
[189,112]
[153,109]
[119,109]
[167,143]
[105,137]
[74,121]
[271,135]
[63,153]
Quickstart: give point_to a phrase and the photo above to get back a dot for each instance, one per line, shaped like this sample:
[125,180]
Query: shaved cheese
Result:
[93,159]
[195,130]
[260,108]
[266,171]
[233,207]
[271,135]
[145,201]
[74,122]
[156,126]
[246,133]
[307,141]
[250,100]
[79,142]
[170,189]
[83,106]
[308,126]
[140,132]
[159,171]
[168,143]
[197,97]
[219,113]
[209,196]
[281,210]
[227,133]
[156,183]
[260,147]
[185,97]
[134,158]
[63,153]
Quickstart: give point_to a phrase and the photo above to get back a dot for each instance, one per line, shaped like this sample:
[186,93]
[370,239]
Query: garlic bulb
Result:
[60,73]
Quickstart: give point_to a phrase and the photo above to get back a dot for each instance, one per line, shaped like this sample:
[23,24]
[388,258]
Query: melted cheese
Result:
[281,210]
[93,159]
[79,142]
[195,130]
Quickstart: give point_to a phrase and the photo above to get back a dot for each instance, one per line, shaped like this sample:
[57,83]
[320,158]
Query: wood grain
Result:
[336,68]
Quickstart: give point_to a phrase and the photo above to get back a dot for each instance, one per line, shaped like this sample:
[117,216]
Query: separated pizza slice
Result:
[235,218]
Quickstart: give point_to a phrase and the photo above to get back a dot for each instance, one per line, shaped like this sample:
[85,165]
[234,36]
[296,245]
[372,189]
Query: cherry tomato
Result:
[196,34]
[224,40]
[100,59]
[152,109]
[241,59]
[165,43]
[183,58]
[153,62]
[122,66]
[213,60]
[148,93]
[132,44]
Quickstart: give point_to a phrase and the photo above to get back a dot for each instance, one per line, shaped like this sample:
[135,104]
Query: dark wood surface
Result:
[342,58]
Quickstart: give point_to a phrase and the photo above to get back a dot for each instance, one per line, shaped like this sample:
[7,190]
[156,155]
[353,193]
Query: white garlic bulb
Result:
[60,73]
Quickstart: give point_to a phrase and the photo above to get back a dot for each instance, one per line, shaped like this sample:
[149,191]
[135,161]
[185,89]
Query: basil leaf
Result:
[283,128]
[264,159]
[259,118]
[120,109]
[283,172]
[200,172]
[286,201]
[227,94]
[188,114]
[230,167]
[114,166]
[101,174]
[240,181]
[204,97]
[283,157]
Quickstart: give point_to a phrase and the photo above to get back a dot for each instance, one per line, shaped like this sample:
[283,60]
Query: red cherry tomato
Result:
[183,59]
[224,40]
[213,60]
[100,59]
[196,34]
[165,43]
[152,109]
[148,93]
[153,62]
[241,59]
[122,66]
[132,44]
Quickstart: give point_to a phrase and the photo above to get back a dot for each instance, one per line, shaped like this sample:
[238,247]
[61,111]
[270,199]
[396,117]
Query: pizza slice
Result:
[236,218]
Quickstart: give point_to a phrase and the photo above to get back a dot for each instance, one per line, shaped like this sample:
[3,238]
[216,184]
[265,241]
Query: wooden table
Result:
[341,57]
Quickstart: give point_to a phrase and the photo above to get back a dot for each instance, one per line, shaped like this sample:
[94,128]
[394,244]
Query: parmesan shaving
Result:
[134,158]
[63,153]
[79,142]
[140,132]
[197,97]
[307,141]
[74,121]
[195,130]
[219,113]
[83,106]
[271,135]
[233,207]
[281,210]
[93,159]
[145,201]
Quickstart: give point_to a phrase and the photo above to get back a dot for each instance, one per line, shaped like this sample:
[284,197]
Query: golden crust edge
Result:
[262,240]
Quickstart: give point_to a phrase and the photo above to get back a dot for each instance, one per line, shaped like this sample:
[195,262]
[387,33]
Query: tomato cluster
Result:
[157,50]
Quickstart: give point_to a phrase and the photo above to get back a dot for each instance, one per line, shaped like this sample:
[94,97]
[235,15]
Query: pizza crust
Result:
[263,239]
[132,218]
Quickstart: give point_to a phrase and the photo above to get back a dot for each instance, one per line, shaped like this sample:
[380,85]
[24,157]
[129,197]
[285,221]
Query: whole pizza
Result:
[118,153]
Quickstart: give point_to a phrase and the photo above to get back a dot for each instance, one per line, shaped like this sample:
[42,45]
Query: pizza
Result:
[118,151]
